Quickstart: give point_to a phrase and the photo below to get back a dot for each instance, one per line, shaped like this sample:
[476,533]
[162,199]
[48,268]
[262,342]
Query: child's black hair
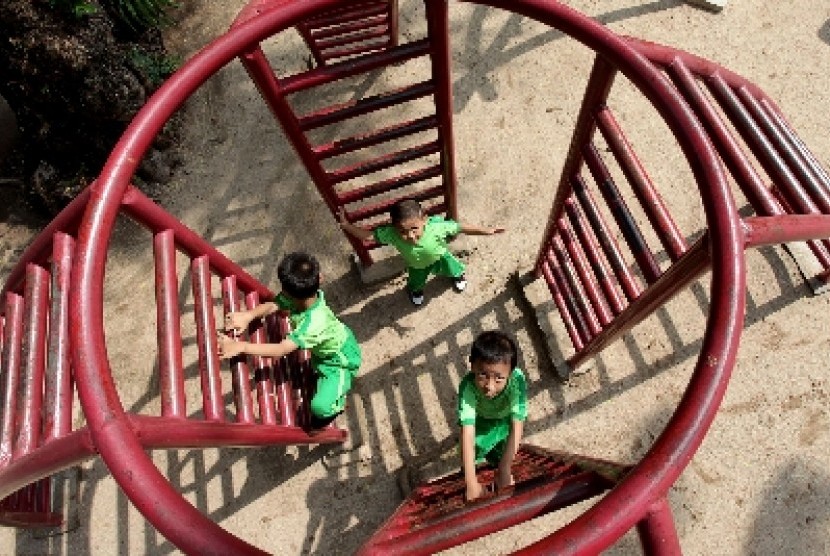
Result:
[495,347]
[404,210]
[299,275]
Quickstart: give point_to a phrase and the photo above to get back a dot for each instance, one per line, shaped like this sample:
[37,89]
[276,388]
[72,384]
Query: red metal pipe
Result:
[562,306]
[438,31]
[12,342]
[650,200]
[606,239]
[168,327]
[210,370]
[262,368]
[570,296]
[775,230]
[657,532]
[566,267]
[33,355]
[580,262]
[282,376]
[591,249]
[59,389]
[240,374]
[596,93]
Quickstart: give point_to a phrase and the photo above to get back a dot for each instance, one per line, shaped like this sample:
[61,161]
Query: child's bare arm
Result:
[357,231]
[228,347]
[238,321]
[468,462]
[473,230]
[504,477]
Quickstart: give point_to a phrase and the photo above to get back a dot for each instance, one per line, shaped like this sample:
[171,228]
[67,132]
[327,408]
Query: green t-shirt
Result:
[511,403]
[317,329]
[431,246]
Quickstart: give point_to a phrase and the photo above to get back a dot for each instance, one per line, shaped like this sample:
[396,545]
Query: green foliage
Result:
[143,14]
[78,8]
[155,67]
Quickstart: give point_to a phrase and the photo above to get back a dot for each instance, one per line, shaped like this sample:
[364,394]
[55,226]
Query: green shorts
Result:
[334,380]
[447,265]
[491,439]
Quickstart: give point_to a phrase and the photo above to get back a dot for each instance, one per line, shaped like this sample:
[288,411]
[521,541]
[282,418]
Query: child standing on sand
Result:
[422,242]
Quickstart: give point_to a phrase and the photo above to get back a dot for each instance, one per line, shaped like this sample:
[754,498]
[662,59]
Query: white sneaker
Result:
[417,298]
[459,283]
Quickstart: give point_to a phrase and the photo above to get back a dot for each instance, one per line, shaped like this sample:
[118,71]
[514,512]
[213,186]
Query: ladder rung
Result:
[263,369]
[368,33]
[343,8]
[385,161]
[209,368]
[12,347]
[384,206]
[276,329]
[340,112]
[355,66]
[625,220]
[30,400]
[59,387]
[319,36]
[588,281]
[364,48]
[390,184]
[566,266]
[240,374]
[342,146]
[566,311]
[347,16]
[168,327]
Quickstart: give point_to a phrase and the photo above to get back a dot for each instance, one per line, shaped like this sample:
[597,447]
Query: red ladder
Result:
[433,180]
[38,390]
[595,289]
[435,516]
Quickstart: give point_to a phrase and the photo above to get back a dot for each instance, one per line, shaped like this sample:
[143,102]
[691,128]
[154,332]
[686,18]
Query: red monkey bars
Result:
[578,248]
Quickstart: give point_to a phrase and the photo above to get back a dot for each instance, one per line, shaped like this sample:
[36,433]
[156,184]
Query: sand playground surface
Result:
[760,483]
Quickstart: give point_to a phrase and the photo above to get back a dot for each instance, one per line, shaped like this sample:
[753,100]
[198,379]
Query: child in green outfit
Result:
[422,242]
[492,409]
[335,354]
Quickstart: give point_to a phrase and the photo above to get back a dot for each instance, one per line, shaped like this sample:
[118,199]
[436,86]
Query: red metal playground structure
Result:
[53,342]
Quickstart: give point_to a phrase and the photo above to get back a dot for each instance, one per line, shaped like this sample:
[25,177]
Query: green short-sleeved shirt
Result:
[318,330]
[431,246]
[511,403]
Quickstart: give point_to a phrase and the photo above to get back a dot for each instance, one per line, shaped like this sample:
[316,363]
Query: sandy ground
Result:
[760,484]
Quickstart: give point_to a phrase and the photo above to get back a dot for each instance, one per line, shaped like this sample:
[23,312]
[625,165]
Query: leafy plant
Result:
[142,14]
[154,66]
[78,8]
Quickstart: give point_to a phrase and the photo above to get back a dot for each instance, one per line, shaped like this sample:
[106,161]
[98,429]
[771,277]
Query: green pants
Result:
[334,380]
[491,439]
[447,265]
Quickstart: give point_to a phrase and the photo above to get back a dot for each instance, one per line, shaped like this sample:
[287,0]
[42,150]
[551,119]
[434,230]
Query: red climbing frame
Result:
[31,451]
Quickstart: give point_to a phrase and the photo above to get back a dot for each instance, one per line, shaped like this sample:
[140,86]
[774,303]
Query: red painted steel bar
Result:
[148,214]
[576,288]
[282,377]
[610,248]
[262,369]
[564,310]
[209,369]
[651,201]
[12,342]
[350,144]
[161,433]
[40,249]
[803,174]
[617,205]
[596,93]
[320,35]
[657,532]
[591,249]
[365,48]
[818,170]
[33,356]
[677,277]
[384,206]
[59,383]
[351,68]
[760,145]
[438,30]
[390,184]
[775,230]
[266,82]
[168,327]
[569,295]
[240,373]
[580,262]
[337,113]
[383,162]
